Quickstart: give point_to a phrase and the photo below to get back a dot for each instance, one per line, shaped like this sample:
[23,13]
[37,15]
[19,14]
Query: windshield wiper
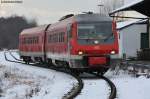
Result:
[107,38]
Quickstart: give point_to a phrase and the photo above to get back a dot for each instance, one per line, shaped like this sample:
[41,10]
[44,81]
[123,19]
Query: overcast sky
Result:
[48,11]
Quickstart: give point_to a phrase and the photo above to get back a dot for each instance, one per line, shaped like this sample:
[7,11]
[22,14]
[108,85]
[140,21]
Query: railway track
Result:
[76,90]
[14,56]
[110,83]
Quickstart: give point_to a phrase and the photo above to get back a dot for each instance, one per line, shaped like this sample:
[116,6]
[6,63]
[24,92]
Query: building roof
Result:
[141,6]
[121,25]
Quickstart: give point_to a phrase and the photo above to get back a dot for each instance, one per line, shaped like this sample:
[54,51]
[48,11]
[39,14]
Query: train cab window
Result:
[89,32]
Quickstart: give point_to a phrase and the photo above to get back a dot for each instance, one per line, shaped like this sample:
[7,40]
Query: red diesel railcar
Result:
[82,42]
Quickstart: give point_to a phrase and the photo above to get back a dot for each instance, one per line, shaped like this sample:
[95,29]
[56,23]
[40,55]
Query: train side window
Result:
[33,40]
[60,37]
[63,39]
[51,38]
[57,37]
[37,41]
[24,40]
[29,40]
[54,37]
[48,38]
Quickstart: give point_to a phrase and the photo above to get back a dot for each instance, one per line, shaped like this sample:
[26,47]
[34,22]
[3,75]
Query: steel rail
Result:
[14,56]
[111,84]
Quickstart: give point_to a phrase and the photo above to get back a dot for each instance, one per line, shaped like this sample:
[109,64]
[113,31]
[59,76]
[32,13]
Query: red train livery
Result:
[82,42]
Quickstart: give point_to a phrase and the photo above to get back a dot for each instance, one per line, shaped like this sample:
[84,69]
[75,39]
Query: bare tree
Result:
[10,28]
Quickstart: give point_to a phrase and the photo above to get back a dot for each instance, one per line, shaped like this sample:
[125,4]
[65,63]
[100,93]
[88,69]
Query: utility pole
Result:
[101,8]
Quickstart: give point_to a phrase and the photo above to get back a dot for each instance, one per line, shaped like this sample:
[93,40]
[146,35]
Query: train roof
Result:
[34,30]
[91,18]
[73,18]
[80,18]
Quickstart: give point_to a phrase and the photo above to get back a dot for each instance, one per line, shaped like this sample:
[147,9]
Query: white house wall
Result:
[130,40]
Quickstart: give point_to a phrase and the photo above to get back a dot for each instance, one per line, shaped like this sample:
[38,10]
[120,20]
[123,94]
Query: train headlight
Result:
[80,53]
[112,52]
[96,42]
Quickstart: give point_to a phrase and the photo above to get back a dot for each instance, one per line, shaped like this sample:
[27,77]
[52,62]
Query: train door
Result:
[68,39]
[68,36]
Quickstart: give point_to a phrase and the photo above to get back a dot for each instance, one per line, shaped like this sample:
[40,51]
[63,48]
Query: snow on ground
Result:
[130,87]
[27,82]
[94,89]
[18,81]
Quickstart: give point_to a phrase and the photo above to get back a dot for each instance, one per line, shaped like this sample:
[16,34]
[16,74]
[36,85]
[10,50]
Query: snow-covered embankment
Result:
[18,81]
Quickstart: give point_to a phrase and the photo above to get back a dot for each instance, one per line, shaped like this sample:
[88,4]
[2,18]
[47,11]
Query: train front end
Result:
[93,40]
